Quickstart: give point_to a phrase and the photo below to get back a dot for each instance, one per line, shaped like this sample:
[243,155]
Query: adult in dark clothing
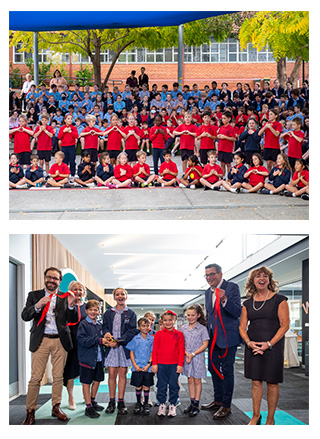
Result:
[264,322]
[50,311]
[72,368]
[277,90]
[143,78]
[132,80]
[226,296]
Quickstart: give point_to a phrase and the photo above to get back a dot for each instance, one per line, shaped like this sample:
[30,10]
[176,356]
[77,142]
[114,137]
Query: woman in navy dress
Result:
[263,324]
[72,368]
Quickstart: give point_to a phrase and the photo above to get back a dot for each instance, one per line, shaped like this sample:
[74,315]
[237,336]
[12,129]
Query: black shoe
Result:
[146,409]
[194,411]
[97,406]
[122,409]
[211,406]
[305,197]
[206,188]
[137,408]
[91,412]
[111,407]
[188,409]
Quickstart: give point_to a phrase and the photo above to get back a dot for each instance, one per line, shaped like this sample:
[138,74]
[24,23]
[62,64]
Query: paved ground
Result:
[151,203]
[292,409]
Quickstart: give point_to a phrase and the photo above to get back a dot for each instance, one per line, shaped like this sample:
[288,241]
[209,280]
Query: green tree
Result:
[286,33]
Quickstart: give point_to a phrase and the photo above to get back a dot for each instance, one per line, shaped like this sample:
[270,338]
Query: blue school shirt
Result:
[42,93]
[216,92]
[186,95]
[80,129]
[125,95]
[94,94]
[88,104]
[118,106]
[64,105]
[164,95]
[79,93]
[114,95]
[57,95]
[34,94]
[195,94]
[174,94]
[142,349]
[58,119]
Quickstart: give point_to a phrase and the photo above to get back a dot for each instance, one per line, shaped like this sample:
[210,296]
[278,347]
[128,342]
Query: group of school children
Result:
[203,133]
[166,353]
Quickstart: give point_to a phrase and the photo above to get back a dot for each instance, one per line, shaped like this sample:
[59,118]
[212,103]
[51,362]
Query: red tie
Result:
[217,312]
[46,308]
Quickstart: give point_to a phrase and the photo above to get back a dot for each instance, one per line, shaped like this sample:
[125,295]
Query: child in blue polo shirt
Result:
[140,348]
[91,356]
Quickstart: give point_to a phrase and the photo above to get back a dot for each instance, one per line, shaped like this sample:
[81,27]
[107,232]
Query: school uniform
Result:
[195,174]
[193,339]
[44,147]
[90,351]
[104,175]
[22,146]
[63,169]
[255,179]
[168,353]
[68,146]
[272,143]
[123,326]
[85,175]
[91,142]
[294,147]
[206,143]
[142,349]
[278,180]
[168,165]
[305,175]
[34,175]
[117,173]
[132,144]
[114,143]
[158,145]
[136,170]
[13,177]
[187,141]
[225,147]
[238,177]
[251,145]
[208,168]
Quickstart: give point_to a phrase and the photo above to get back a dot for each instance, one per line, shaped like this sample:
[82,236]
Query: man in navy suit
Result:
[230,306]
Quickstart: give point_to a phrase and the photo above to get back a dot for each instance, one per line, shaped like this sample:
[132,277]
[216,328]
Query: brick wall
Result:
[200,73]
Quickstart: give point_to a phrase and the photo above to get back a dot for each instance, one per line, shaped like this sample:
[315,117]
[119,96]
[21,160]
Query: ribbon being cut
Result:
[217,313]
[62,296]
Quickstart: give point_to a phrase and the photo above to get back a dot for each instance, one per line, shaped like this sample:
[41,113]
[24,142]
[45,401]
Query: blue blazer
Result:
[230,315]
[128,327]
[89,337]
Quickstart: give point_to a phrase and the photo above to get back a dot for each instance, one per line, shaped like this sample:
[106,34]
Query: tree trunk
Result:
[115,58]
[281,72]
[295,72]
[97,68]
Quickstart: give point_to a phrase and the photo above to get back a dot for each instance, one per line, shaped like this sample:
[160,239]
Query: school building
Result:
[219,61]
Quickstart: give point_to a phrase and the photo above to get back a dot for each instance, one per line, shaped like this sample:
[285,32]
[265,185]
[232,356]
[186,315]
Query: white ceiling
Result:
[157,261]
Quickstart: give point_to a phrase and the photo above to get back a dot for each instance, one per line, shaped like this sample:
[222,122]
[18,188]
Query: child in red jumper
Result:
[167,362]
[122,172]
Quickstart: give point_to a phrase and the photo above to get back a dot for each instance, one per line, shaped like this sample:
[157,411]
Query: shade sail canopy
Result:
[37,21]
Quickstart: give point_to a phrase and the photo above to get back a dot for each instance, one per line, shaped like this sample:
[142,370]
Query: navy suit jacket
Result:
[230,315]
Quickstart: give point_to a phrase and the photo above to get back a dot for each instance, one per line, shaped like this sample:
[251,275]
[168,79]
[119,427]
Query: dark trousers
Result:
[157,154]
[223,389]
[167,377]
[70,157]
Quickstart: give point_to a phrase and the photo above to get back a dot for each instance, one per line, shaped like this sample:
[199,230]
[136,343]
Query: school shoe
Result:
[91,412]
[172,411]
[305,197]
[265,191]
[146,409]
[162,410]
[194,411]
[137,408]
[97,406]
[122,409]
[188,409]
[111,407]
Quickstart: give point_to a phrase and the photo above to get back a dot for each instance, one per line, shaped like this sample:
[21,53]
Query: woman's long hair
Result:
[250,288]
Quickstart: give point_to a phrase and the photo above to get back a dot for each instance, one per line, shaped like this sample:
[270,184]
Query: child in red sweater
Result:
[167,362]
[122,172]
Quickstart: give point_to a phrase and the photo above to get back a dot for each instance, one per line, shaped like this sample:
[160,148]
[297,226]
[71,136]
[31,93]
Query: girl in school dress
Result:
[119,327]
[196,340]
[256,174]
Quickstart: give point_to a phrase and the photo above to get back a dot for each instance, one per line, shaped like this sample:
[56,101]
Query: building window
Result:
[213,52]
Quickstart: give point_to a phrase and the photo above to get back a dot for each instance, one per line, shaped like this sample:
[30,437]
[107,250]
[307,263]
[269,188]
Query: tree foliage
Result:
[286,33]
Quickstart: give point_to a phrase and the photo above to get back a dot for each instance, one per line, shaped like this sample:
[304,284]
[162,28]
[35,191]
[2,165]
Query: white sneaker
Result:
[182,185]
[172,411]
[162,410]
[192,186]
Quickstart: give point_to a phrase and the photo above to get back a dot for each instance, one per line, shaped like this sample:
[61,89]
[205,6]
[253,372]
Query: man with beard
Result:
[50,311]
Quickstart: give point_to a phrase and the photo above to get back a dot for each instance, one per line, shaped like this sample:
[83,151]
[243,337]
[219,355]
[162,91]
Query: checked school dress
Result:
[193,339]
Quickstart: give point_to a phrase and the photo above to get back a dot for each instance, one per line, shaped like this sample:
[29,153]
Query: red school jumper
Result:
[168,347]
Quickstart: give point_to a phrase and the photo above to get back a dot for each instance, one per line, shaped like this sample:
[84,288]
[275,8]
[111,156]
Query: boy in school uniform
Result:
[141,171]
[91,135]
[86,171]
[133,134]
[187,132]
[211,172]
[91,357]
[140,348]
[295,139]
[34,174]
[207,134]
[44,133]
[168,171]
[59,172]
